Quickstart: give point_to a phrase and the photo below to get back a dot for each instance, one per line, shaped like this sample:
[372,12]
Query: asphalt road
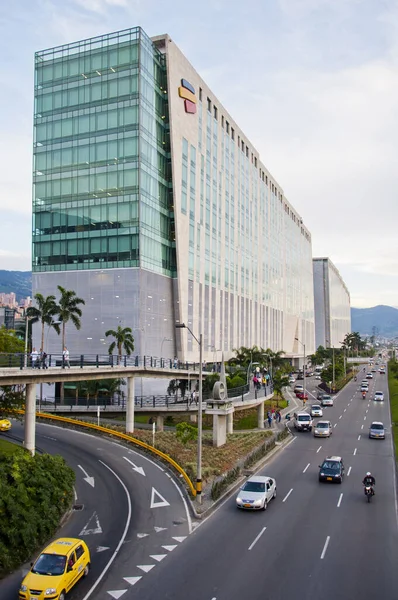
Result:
[316,540]
[130,507]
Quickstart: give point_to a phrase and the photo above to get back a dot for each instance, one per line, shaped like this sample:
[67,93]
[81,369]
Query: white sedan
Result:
[378,397]
[323,429]
[256,492]
[316,410]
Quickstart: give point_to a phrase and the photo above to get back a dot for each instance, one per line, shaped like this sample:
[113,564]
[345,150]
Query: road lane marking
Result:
[345,410]
[335,425]
[325,547]
[340,416]
[95,525]
[349,471]
[319,448]
[339,502]
[359,437]
[361,426]
[287,495]
[364,418]
[257,538]
[121,541]
[158,503]
[367,410]
[306,467]
[355,451]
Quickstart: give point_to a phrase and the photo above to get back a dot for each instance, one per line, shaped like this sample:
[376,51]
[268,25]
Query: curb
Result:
[233,487]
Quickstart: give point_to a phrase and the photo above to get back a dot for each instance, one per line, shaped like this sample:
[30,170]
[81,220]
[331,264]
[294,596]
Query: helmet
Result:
[368,474]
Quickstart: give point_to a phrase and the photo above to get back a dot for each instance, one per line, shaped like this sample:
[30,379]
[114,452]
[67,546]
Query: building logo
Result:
[187,92]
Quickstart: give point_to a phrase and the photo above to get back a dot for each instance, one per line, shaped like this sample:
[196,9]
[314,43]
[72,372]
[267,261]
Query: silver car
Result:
[316,410]
[378,397]
[256,492]
[327,400]
[376,430]
[323,429]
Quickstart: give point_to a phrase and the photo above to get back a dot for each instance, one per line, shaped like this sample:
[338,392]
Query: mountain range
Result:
[19,282]
[379,320]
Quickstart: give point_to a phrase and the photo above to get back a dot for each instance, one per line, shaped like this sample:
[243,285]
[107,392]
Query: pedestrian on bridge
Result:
[65,358]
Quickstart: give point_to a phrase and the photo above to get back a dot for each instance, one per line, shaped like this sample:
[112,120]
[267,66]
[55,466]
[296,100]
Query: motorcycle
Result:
[369,492]
[355,378]
[364,395]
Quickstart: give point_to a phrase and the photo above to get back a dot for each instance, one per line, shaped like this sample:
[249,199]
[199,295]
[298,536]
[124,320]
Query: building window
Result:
[215,112]
[227,126]
[232,133]
[255,162]
[200,94]
[243,146]
[222,122]
[209,104]
[247,151]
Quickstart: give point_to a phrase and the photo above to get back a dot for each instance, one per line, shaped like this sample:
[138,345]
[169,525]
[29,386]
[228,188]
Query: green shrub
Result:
[221,484]
[35,492]
[235,382]
[282,434]
[257,454]
[186,432]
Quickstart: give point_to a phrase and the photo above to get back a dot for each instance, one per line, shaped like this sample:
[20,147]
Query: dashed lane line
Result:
[359,437]
[287,495]
[320,447]
[304,470]
[325,547]
[257,538]
[355,451]
[339,502]
[349,471]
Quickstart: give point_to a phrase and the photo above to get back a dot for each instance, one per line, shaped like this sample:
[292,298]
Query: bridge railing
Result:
[31,361]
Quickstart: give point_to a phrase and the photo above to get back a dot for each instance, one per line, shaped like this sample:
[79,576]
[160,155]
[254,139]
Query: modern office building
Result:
[152,204]
[332,305]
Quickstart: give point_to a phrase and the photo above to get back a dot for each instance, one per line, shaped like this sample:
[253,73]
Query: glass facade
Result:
[102,191]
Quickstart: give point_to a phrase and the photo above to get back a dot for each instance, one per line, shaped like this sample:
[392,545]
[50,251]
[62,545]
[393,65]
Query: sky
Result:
[312,83]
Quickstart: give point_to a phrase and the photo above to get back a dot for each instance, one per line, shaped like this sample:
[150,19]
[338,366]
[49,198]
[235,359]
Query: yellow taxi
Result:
[56,571]
[5,424]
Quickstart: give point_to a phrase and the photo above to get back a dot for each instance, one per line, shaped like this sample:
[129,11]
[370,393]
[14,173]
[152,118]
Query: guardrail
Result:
[27,361]
[123,436]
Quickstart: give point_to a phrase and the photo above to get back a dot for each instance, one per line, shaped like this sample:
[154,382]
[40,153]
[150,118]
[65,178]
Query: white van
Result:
[302,421]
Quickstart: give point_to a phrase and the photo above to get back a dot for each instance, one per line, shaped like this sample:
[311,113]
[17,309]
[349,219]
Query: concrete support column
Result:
[159,423]
[130,405]
[219,430]
[30,417]
[230,422]
[260,415]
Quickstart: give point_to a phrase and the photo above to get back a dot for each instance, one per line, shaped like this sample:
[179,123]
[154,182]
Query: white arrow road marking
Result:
[157,529]
[142,535]
[145,568]
[157,504]
[117,593]
[180,538]
[90,480]
[102,548]
[97,529]
[158,557]
[169,548]
[132,580]
[139,470]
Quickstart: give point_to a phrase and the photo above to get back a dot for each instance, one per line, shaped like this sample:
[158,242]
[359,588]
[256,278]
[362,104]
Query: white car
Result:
[323,429]
[316,410]
[256,492]
[378,397]
[317,377]
[327,400]
[292,380]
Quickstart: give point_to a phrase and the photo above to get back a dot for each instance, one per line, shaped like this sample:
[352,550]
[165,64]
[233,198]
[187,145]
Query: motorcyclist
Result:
[355,378]
[369,480]
[363,394]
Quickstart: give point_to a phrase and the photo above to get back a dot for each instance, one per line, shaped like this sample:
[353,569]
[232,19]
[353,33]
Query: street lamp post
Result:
[334,382]
[303,345]
[199,448]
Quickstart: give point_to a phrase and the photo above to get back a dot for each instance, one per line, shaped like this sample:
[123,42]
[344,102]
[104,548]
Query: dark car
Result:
[332,469]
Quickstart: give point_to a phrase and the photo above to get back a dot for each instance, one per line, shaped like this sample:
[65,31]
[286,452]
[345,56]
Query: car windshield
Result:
[377,426]
[254,486]
[330,465]
[50,564]
[322,425]
[379,393]
[315,407]
[303,418]
[327,397]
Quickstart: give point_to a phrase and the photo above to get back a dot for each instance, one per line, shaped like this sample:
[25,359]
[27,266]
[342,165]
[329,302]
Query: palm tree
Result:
[123,339]
[44,311]
[68,309]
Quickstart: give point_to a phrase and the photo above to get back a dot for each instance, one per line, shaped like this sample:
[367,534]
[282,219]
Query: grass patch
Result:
[393,394]
[7,448]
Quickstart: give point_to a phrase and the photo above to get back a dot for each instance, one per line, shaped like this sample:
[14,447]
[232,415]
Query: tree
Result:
[46,308]
[123,339]
[9,342]
[185,432]
[280,381]
[11,398]
[68,310]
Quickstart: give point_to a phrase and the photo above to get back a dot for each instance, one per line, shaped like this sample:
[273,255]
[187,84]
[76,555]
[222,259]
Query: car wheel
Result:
[62,595]
[86,570]
[265,504]
[274,494]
